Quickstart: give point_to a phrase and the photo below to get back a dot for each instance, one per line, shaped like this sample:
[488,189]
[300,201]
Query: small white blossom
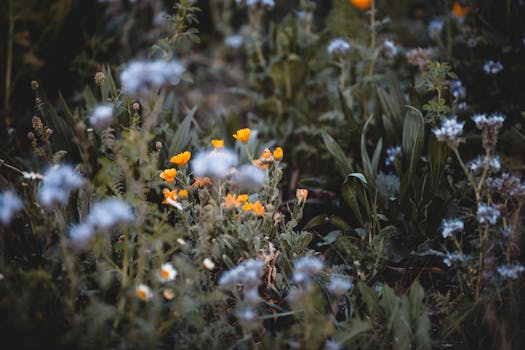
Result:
[167,272]
[510,271]
[58,183]
[143,292]
[487,214]
[338,47]
[458,90]
[247,274]
[494,122]
[216,164]
[479,163]
[143,78]
[492,67]
[234,41]
[451,258]
[10,204]
[451,226]
[389,48]
[450,131]
[392,153]
[208,264]
[304,268]
[102,116]
[340,285]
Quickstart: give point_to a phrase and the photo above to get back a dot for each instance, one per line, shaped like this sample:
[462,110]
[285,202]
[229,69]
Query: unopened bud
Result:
[30,136]
[38,100]
[136,106]
[37,122]
[158,146]
[99,78]
[80,126]
[34,85]
[49,132]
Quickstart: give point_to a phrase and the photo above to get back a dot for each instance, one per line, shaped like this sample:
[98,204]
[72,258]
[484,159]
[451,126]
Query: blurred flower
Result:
[450,131]
[301,194]
[242,135]
[304,269]
[487,214]
[216,164]
[58,183]
[392,153]
[143,292]
[167,272]
[168,174]
[256,208]
[183,193]
[510,271]
[142,78]
[278,153]
[234,41]
[435,27]
[507,185]
[451,226]
[419,57]
[168,294]
[233,201]
[492,67]
[338,47]
[249,178]
[388,48]
[109,213]
[10,204]
[208,264]
[459,10]
[483,121]
[217,143]
[181,159]
[451,258]
[339,285]
[102,117]
[332,345]
[361,4]
[181,241]
[171,198]
[458,90]
[202,182]
[256,3]
[247,274]
[81,234]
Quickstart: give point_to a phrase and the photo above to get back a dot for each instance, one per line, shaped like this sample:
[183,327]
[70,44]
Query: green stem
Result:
[9,60]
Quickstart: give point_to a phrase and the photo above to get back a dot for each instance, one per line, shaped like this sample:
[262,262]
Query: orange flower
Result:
[231,201]
[259,164]
[217,143]
[266,154]
[243,135]
[169,196]
[183,193]
[301,194]
[169,174]
[242,198]
[256,208]
[181,159]
[202,181]
[362,4]
[278,153]
[459,10]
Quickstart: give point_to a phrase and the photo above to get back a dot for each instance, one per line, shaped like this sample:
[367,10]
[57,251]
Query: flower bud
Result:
[99,78]
[34,85]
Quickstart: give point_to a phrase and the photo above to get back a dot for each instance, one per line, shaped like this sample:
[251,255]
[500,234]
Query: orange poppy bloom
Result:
[181,159]
[168,174]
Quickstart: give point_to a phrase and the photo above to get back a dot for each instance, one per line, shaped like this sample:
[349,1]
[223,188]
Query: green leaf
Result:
[335,150]
[182,135]
[369,297]
[390,104]
[348,191]
[365,158]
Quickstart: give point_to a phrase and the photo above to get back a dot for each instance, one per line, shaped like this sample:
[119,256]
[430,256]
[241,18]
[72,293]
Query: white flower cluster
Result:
[510,271]
[248,275]
[304,269]
[492,122]
[479,163]
[452,257]
[451,226]
[102,117]
[338,47]
[142,78]
[340,285]
[487,214]
[507,185]
[389,48]
[249,178]
[10,204]
[58,183]
[435,28]
[104,216]
[458,90]
[492,67]
[392,153]
[256,3]
[216,164]
[234,41]
[450,131]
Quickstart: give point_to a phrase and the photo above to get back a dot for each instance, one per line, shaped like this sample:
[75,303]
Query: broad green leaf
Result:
[335,150]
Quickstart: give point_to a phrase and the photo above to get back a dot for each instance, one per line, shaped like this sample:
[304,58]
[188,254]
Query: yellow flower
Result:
[183,193]
[266,154]
[243,135]
[169,174]
[217,143]
[459,10]
[231,201]
[181,159]
[301,194]
[247,206]
[202,181]
[361,4]
[278,153]
[256,208]
[242,198]
[143,292]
